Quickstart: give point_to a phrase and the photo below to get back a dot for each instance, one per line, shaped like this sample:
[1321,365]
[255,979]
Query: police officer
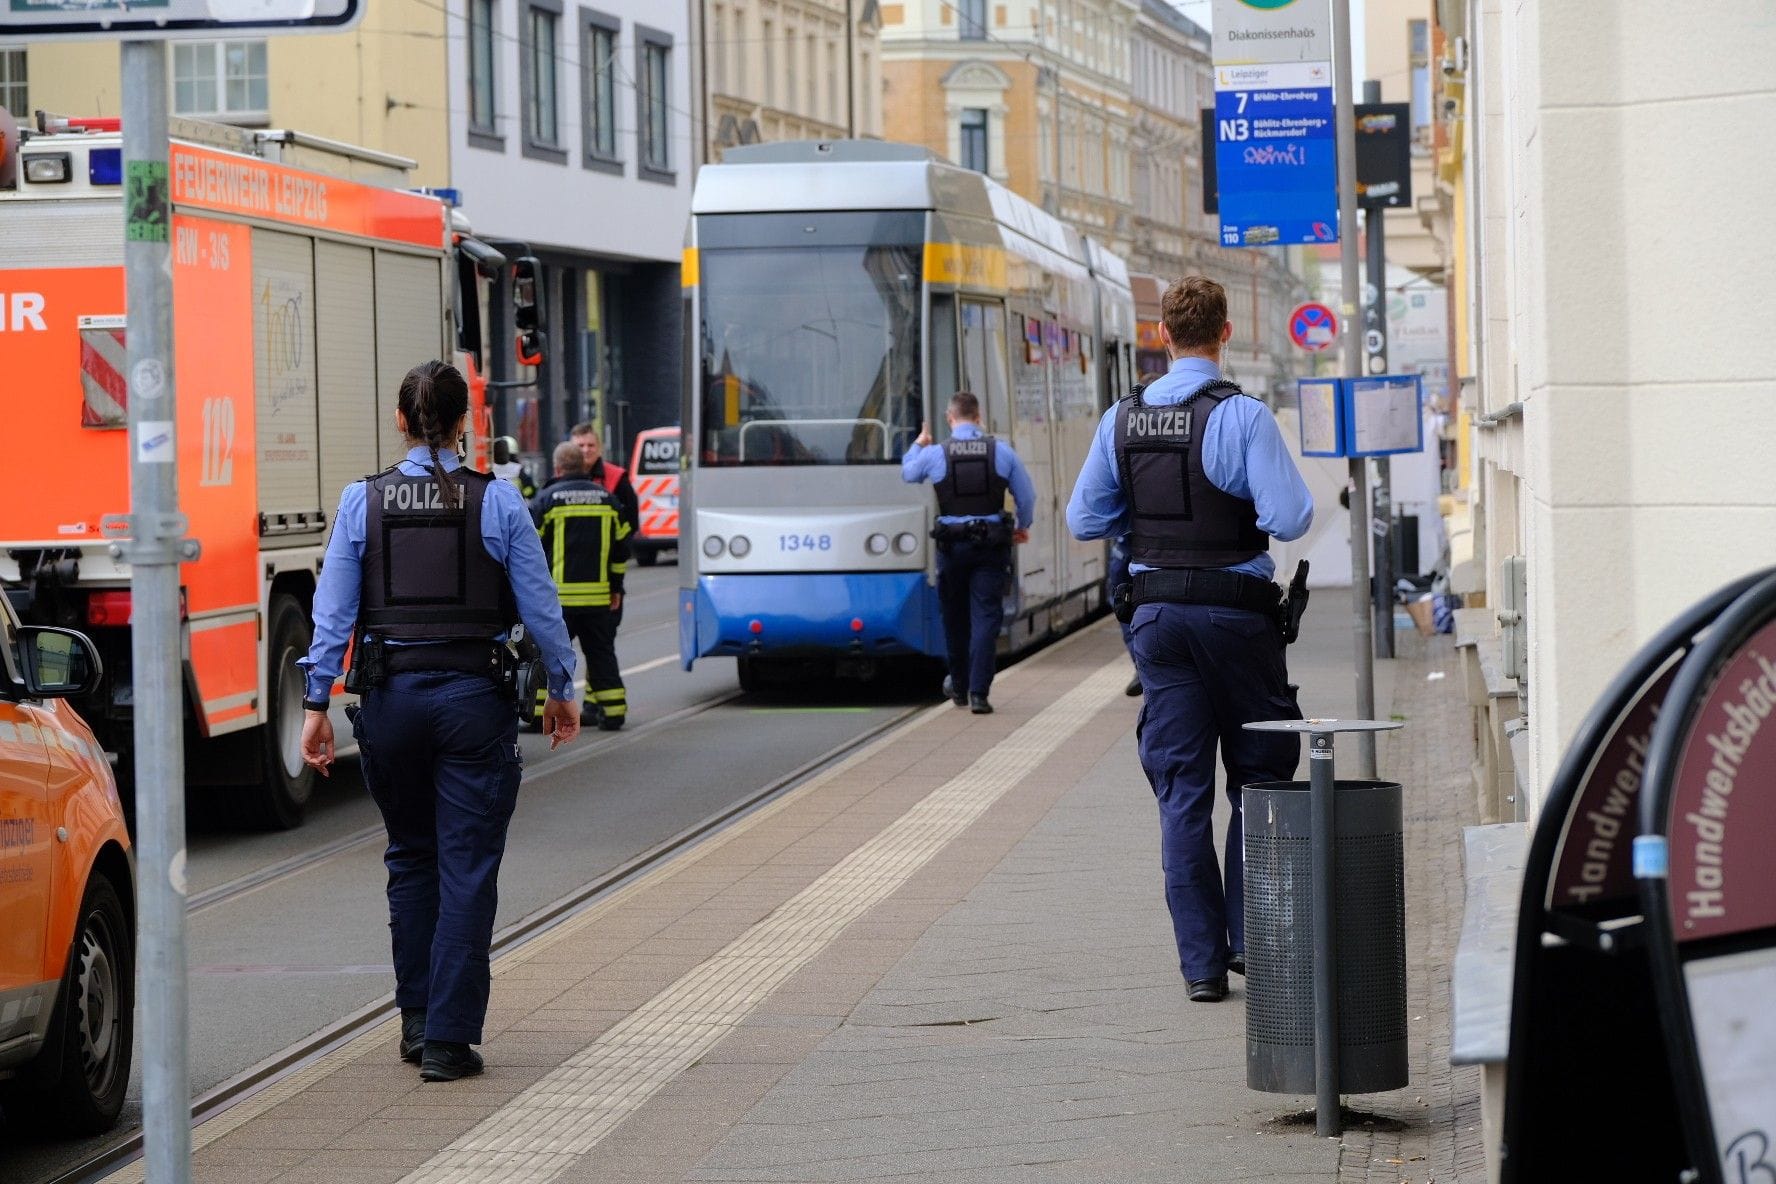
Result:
[1197,475]
[429,567]
[974,535]
[586,543]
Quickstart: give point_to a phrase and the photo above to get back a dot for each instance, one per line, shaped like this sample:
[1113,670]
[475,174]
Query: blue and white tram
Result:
[836,295]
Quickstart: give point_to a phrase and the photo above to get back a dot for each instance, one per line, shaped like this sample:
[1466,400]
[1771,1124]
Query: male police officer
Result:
[1197,475]
[971,471]
[586,542]
[430,564]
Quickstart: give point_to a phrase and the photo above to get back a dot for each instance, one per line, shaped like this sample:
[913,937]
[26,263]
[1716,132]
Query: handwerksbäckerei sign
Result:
[172,19]
[1276,149]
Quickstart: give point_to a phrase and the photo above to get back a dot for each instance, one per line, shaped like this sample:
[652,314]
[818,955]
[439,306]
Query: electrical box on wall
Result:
[1512,617]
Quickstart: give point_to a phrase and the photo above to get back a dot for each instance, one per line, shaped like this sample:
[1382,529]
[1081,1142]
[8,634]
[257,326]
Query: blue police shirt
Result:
[510,537]
[1242,453]
[926,463]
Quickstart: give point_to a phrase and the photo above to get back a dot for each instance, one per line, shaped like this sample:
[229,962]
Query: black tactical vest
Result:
[1178,517]
[427,574]
[971,485]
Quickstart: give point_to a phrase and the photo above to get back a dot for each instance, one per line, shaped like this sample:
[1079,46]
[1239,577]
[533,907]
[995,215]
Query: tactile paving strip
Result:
[539,1134]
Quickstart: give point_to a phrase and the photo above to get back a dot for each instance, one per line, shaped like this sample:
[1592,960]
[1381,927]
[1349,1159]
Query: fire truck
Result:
[306,281]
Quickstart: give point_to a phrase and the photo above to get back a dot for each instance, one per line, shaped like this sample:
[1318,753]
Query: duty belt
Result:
[1228,589]
[987,532]
[374,660]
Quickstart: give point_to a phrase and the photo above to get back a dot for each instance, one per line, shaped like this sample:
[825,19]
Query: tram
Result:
[836,295]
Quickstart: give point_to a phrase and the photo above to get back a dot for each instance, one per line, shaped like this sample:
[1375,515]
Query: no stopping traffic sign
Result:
[1313,327]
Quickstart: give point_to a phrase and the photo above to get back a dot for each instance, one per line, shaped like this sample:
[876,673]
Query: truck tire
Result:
[78,1084]
[282,795]
[646,556]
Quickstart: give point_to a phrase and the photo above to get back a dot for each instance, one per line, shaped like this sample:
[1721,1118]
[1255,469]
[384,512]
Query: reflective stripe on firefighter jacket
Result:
[585,539]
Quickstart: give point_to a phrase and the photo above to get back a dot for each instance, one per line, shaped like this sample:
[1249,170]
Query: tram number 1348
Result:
[804,542]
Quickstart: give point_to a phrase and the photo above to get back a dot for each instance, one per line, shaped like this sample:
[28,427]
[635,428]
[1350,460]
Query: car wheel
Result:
[79,1089]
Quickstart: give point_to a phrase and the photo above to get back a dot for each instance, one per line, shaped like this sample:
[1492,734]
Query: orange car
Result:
[67,893]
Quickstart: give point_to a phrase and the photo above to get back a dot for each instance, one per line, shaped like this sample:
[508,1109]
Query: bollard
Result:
[1324,839]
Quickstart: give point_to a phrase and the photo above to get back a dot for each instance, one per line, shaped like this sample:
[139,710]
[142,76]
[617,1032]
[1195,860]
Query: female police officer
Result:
[429,565]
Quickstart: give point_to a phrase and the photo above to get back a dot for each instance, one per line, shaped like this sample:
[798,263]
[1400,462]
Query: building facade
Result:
[1034,93]
[788,70]
[571,131]
[1623,393]
[1172,234]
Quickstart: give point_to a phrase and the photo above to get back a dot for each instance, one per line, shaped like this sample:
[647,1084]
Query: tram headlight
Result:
[876,544]
[713,547]
[739,546]
[905,542]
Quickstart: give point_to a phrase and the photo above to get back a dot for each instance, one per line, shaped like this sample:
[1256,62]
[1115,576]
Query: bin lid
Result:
[1321,727]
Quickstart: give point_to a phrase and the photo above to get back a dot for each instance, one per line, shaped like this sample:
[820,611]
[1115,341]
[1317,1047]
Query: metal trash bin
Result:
[1370,925]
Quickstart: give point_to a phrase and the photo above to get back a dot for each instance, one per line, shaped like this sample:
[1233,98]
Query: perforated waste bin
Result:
[1369,907]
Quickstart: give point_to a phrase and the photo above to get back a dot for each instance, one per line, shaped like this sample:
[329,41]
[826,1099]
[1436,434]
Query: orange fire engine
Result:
[305,283]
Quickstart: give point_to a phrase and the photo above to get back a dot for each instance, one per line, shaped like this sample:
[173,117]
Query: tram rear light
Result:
[713,547]
[905,542]
[757,626]
[739,546]
[857,624]
[876,544]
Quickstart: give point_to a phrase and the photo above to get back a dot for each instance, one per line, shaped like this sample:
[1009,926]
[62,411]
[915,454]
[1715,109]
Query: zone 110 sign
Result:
[155,19]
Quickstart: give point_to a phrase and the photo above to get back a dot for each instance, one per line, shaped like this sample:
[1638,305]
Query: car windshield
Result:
[810,355]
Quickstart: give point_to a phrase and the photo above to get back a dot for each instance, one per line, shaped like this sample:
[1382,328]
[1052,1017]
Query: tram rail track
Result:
[219,1099]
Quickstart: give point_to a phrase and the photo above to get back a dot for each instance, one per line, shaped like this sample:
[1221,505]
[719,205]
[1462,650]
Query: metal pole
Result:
[850,77]
[1322,782]
[154,549]
[1375,223]
[1353,366]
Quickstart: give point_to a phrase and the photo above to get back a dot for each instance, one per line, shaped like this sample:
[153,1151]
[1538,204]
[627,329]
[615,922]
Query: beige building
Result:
[1034,93]
[1397,37]
[382,86]
[1627,395]
[1172,80]
[789,70]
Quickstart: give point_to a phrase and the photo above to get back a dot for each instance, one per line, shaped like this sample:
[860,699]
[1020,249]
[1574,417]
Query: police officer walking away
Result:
[1197,475]
[586,542]
[974,535]
[429,567]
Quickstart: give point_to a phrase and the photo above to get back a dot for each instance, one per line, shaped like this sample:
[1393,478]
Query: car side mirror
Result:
[58,663]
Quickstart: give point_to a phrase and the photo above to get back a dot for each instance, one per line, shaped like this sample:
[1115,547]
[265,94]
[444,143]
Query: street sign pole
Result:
[1353,366]
[1375,345]
[154,548]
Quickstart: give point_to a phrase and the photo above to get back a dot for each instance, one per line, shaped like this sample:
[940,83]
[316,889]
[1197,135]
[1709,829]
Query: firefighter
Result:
[429,567]
[586,540]
[613,477]
[507,466]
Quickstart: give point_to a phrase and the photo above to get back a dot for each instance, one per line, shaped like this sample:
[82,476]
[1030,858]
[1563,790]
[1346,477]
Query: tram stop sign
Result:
[154,19]
[1313,327]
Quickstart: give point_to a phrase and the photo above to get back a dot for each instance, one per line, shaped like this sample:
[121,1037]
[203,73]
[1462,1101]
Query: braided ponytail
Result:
[434,397]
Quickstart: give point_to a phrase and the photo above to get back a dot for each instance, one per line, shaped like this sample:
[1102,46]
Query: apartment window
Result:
[220,80]
[1419,43]
[972,19]
[718,48]
[538,53]
[791,47]
[598,91]
[15,96]
[974,139]
[813,107]
[653,102]
[482,110]
[768,39]
[834,113]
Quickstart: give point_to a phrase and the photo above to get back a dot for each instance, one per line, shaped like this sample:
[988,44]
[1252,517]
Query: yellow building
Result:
[1034,93]
[381,86]
[789,70]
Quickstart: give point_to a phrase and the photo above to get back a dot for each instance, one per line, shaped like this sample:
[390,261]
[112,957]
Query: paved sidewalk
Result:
[949,958]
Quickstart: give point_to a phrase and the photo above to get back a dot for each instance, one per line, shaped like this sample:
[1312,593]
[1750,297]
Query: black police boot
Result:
[959,698]
[446,1060]
[1134,687]
[1208,990]
[1237,965]
[412,1034]
[979,705]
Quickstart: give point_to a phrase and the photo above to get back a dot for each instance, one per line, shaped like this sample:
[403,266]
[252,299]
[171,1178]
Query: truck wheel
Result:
[646,556]
[79,1084]
[282,794]
[747,669]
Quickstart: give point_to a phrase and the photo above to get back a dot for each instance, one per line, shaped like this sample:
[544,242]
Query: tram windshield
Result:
[810,353]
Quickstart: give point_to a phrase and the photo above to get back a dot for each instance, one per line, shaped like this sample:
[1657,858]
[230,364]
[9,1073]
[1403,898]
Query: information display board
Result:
[1321,424]
[1386,415]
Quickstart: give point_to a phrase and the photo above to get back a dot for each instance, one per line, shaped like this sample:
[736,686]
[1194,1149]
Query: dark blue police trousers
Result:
[1207,671]
[970,591]
[440,758]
